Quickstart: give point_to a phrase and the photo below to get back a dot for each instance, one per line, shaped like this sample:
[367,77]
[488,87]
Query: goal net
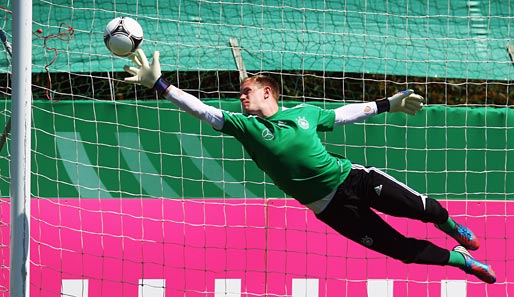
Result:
[133,197]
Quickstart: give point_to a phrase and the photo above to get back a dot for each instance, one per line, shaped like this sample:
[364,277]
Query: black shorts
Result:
[351,213]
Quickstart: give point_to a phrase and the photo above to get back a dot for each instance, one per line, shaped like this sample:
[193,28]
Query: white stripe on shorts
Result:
[369,169]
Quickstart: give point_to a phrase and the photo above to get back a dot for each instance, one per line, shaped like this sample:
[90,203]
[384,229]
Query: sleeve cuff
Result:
[161,85]
[382,105]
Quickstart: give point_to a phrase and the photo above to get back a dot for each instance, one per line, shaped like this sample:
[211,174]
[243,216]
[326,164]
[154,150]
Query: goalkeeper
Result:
[284,143]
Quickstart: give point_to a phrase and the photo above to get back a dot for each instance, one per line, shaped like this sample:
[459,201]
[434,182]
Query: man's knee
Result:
[434,212]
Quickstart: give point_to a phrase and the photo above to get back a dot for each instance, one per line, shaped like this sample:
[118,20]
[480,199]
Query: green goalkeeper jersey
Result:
[286,146]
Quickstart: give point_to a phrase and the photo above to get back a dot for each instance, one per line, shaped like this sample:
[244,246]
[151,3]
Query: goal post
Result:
[20,189]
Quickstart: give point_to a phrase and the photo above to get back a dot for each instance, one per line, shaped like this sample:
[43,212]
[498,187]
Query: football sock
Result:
[447,226]
[456,259]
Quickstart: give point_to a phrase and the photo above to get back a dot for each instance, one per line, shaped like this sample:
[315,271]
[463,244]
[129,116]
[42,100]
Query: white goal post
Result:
[21,150]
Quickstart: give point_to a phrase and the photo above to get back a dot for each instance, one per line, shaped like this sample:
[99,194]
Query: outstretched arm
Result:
[404,101]
[150,76]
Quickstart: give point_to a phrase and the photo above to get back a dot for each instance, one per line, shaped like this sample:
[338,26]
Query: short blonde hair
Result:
[265,81]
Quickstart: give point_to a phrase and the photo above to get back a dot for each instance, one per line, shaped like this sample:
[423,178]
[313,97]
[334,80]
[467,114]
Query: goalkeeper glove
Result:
[406,101]
[145,74]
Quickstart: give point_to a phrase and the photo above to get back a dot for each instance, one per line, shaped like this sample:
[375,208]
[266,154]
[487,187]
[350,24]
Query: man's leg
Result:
[361,224]
[397,199]
[364,226]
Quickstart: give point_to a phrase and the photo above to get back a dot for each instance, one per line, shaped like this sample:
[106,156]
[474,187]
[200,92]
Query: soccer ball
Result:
[123,35]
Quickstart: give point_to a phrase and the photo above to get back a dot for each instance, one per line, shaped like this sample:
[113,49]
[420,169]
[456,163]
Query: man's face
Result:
[252,96]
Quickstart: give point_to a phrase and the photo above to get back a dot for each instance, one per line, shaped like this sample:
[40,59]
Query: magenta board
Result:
[239,247]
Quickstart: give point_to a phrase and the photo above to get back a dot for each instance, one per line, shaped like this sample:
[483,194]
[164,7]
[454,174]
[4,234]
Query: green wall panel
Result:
[108,149]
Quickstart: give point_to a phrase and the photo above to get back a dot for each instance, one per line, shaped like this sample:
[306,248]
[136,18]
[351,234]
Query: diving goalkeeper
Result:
[284,143]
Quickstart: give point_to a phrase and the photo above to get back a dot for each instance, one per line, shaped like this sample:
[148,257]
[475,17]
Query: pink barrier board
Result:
[266,245]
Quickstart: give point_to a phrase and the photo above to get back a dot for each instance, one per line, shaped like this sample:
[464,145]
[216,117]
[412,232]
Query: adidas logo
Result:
[378,190]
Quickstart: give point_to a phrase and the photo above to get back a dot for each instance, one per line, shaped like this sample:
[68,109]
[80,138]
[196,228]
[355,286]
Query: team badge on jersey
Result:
[302,122]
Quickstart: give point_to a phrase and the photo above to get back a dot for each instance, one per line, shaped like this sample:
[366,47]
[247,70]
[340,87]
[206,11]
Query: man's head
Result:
[259,95]
[265,81]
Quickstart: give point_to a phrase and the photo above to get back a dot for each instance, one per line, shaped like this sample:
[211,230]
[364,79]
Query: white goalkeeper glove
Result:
[406,101]
[144,74]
